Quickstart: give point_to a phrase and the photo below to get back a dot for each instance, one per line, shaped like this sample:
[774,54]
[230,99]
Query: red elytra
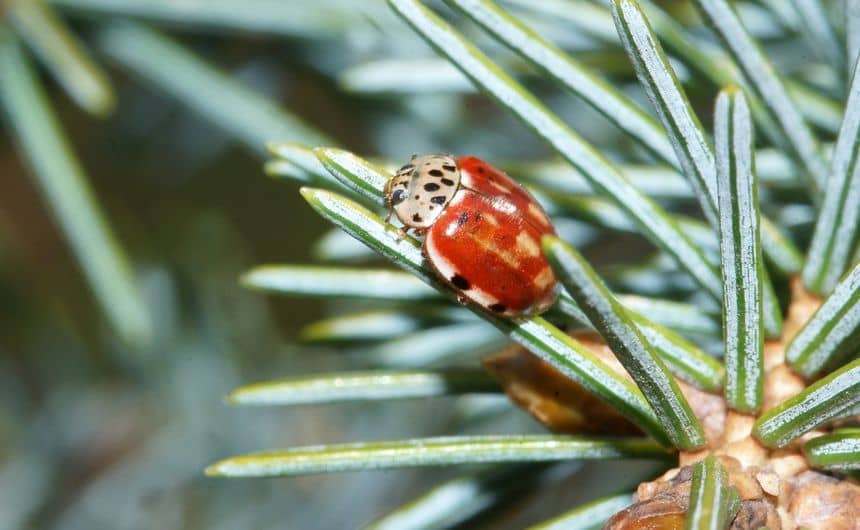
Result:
[482,231]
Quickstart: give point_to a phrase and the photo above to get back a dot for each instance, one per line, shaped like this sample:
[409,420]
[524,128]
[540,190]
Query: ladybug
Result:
[481,229]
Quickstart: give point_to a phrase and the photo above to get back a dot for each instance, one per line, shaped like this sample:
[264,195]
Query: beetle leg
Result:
[402,232]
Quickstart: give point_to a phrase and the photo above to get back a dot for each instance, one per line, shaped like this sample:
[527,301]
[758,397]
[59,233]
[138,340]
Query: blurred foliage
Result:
[116,350]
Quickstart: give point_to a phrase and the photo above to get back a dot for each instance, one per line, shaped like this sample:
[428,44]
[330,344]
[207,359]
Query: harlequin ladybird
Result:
[481,229]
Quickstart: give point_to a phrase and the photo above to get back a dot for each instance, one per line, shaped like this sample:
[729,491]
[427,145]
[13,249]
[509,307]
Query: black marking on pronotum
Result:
[460,282]
[431,186]
[449,168]
[498,308]
[407,166]
[439,199]
[463,219]
[448,182]
[417,218]
[435,173]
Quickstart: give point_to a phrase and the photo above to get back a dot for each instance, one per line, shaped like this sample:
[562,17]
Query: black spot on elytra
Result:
[431,186]
[447,182]
[481,169]
[439,199]
[417,218]
[460,282]
[463,219]
[449,168]
[498,308]
[435,173]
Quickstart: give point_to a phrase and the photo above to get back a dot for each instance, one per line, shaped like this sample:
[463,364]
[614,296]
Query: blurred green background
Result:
[101,429]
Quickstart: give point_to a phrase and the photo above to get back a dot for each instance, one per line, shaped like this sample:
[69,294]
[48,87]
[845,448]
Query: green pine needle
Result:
[65,188]
[580,80]
[743,272]
[838,226]
[589,516]
[433,452]
[713,503]
[768,85]
[455,502]
[830,398]
[837,451]
[832,333]
[686,133]
[640,360]
[356,386]
[67,59]
[435,346]
[246,114]
[338,282]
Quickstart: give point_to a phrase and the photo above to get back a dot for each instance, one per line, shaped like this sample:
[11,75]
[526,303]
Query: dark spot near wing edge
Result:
[460,283]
